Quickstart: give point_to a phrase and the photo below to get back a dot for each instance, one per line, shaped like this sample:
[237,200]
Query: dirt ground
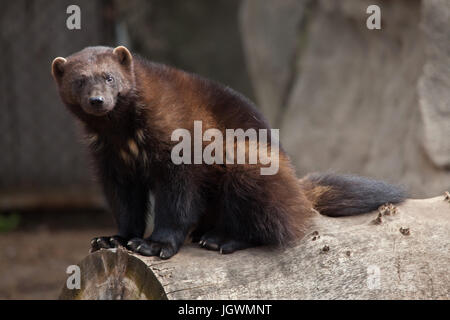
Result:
[34,256]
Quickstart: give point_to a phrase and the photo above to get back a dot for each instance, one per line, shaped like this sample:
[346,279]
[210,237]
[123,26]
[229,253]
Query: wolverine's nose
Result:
[96,101]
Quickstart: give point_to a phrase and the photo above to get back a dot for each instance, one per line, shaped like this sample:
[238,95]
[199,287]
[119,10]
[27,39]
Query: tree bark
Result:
[395,253]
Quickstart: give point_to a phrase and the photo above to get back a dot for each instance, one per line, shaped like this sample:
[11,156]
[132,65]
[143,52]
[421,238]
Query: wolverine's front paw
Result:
[107,243]
[151,248]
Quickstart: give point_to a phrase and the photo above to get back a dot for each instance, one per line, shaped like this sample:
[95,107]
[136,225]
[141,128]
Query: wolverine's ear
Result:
[124,55]
[58,67]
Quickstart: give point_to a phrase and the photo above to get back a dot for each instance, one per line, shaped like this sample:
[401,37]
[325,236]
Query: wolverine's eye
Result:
[109,78]
[79,83]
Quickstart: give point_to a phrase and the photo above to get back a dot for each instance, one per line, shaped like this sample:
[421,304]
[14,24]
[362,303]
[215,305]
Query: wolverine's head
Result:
[92,80]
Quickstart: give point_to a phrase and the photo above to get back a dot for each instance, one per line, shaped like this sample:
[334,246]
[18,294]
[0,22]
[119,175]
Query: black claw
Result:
[231,246]
[103,243]
[214,240]
[134,244]
[94,245]
[166,252]
[117,241]
[211,246]
[226,249]
[149,249]
[106,243]
[211,241]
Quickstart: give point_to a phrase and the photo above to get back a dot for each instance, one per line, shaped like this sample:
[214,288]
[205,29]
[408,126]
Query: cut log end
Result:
[115,274]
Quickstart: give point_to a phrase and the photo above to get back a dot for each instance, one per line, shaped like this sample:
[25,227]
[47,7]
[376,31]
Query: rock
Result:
[352,102]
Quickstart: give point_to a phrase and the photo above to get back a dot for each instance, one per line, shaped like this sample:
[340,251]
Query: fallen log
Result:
[395,253]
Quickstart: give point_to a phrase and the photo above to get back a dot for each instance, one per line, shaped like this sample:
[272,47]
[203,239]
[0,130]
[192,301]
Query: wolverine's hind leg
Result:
[234,226]
[258,210]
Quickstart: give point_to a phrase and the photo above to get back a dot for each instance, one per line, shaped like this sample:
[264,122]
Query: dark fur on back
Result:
[345,195]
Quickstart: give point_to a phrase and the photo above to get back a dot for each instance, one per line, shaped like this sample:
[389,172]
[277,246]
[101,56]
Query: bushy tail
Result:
[345,195]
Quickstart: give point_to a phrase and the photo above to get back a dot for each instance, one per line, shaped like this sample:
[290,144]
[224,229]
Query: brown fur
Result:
[232,205]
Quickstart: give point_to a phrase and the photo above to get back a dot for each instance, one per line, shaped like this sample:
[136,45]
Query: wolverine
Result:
[129,108]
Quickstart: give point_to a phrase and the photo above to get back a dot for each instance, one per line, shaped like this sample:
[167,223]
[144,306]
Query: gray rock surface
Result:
[370,102]
[434,84]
